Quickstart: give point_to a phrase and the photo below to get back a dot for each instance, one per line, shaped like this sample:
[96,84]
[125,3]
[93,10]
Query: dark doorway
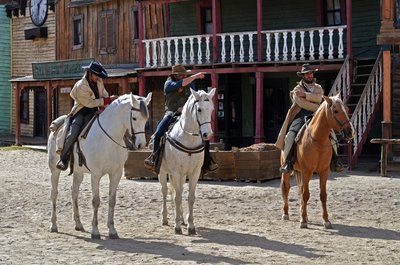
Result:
[40,113]
[276,91]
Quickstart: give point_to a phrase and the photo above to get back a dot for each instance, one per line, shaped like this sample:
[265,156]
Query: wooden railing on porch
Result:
[322,43]
[342,82]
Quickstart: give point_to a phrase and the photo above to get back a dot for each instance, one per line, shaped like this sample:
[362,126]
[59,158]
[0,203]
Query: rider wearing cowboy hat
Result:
[306,98]
[176,91]
[89,94]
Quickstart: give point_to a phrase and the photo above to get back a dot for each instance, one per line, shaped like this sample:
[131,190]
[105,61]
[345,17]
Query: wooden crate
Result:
[257,165]
[226,163]
[134,166]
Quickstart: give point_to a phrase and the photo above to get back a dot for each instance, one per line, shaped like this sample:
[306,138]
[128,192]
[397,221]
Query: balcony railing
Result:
[324,43]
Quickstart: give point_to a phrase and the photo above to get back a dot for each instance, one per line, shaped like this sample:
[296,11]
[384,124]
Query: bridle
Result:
[133,133]
[198,122]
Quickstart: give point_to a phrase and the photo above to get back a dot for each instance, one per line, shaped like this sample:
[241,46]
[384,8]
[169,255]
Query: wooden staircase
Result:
[363,99]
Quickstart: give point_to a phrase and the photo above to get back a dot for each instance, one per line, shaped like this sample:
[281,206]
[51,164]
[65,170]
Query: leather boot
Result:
[288,153]
[149,163]
[209,165]
[336,164]
[73,133]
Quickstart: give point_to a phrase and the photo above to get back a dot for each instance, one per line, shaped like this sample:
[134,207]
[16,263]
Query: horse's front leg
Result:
[191,198]
[305,196]
[162,177]
[76,183]
[114,182]
[95,182]
[55,176]
[285,188]
[178,186]
[323,196]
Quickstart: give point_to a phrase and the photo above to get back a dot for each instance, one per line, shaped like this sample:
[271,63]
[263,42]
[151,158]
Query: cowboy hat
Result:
[306,69]
[97,69]
[179,70]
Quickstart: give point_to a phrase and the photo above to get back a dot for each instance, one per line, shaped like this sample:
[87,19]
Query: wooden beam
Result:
[259,131]
[17,114]
[214,117]
[141,35]
[387,94]
[259,29]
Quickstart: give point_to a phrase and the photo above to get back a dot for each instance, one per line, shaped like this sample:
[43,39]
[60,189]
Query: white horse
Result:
[105,153]
[184,155]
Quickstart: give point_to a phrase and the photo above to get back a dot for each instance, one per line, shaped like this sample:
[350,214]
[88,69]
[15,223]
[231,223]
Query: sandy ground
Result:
[237,223]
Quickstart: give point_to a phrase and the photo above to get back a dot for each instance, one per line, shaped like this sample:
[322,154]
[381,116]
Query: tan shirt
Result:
[84,96]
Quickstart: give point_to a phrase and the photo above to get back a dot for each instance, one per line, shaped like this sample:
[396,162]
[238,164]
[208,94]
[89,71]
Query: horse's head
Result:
[139,114]
[202,109]
[339,119]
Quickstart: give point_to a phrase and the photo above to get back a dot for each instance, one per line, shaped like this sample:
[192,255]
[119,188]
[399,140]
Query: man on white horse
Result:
[176,91]
[89,94]
[306,98]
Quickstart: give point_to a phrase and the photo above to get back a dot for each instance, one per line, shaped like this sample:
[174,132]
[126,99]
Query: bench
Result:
[384,152]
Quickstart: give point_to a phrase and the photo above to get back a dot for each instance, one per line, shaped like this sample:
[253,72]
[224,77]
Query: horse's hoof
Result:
[303,225]
[54,229]
[113,236]
[178,231]
[164,222]
[328,225]
[95,236]
[192,231]
[79,228]
[285,217]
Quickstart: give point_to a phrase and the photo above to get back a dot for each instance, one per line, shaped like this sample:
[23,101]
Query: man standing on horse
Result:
[176,91]
[306,98]
[89,94]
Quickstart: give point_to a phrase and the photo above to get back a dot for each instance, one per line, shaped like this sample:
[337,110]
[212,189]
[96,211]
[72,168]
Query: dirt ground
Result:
[237,222]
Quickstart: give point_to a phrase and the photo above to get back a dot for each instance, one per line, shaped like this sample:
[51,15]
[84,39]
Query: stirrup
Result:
[149,163]
[286,168]
[61,165]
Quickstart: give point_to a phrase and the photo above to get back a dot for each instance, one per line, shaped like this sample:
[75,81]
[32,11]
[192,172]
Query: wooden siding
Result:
[24,53]
[127,51]
[5,72]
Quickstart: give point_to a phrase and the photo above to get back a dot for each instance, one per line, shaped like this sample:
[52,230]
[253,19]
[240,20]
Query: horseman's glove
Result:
[110,99]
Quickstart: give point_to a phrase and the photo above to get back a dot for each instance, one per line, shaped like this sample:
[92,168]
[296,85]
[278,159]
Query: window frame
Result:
[24,106]
[104,16]
[135,24]
[80,33]
[341,10]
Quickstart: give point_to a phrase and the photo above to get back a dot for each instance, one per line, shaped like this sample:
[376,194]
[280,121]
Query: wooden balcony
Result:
[288,45]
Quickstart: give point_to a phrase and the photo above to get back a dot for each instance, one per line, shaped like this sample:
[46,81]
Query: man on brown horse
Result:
[306,98]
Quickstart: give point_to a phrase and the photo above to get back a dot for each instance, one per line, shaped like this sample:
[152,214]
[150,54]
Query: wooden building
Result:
[252,51]
[50,54]
[5,68]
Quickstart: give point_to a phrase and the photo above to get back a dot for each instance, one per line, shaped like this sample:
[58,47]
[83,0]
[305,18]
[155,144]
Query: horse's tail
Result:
[297,177]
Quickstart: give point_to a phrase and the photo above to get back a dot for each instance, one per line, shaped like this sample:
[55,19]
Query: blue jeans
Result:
[162,127]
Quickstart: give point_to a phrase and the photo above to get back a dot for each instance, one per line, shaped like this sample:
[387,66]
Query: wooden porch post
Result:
[387,94]
[349,30]
[141,80]
[215,13]
[387,15]
[141,35]
[49,94]
[259,28]
[214,117]
[17,114]
[259,133]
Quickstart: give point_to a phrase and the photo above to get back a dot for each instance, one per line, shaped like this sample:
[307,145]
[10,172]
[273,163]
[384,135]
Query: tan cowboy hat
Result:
[179,70]
[306,68]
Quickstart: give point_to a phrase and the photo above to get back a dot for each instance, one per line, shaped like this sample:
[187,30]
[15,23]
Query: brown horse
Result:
[314,153]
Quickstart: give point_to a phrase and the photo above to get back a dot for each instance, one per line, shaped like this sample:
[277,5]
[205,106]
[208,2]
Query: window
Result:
[24,106]
[207,20]
[77,27]
[107,32]
[333,13]
[135,25]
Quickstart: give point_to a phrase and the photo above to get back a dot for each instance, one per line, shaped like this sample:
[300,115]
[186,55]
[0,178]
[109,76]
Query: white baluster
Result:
[147,54]
[285,49]
[293,50]
[364,115]
[232,38]
[268,50]
[330,46]
[311,32]
[340,46]
[360,124]
[321,44]
[241,50]
[191,53]
[251,51]
[223,53]
[302,49]
[169,57]
[276,50]
[208,49]
[162,55]
[154,53]
[176,42]
[184,51]
[199,53]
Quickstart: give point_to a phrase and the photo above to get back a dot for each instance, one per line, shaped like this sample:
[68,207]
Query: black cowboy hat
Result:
[179,70]
[97,69]
[306,68]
